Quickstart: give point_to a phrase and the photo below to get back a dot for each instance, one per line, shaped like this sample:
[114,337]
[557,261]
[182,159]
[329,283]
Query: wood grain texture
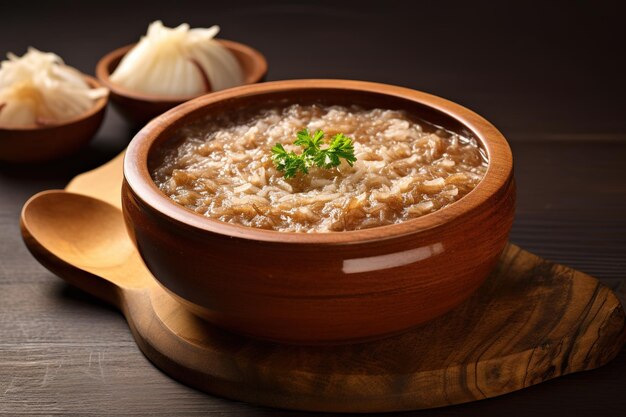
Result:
[531,321]
[563,115]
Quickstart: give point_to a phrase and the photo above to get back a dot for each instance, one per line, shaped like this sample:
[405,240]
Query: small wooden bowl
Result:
[21,144]
[139,108]
[321,287]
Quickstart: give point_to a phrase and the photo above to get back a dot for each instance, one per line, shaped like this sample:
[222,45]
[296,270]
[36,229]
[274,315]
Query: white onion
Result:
[178,62]
[39,89]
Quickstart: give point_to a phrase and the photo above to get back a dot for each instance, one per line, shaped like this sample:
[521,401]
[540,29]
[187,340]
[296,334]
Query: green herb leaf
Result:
[310,144]
[312,153]
[340,147]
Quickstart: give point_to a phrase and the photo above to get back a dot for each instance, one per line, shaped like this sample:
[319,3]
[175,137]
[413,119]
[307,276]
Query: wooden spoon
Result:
[83,240]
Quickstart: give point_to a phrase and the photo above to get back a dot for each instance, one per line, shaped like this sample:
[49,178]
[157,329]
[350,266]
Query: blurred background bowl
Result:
[20,144]
[139,108]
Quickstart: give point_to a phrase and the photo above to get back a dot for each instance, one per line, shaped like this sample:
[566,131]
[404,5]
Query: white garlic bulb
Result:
[177,62]
[39,89]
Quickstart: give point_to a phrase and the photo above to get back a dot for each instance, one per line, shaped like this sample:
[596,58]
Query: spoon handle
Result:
[93,284]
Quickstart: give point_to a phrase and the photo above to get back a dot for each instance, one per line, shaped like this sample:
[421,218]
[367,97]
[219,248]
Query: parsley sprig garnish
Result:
[312,154]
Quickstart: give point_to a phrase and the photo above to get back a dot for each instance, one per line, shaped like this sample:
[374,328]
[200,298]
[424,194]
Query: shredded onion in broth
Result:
[224,170]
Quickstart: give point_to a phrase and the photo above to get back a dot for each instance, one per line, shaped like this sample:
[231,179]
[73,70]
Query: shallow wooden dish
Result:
[139,108]
[43,143]
[530,322]
[321,287]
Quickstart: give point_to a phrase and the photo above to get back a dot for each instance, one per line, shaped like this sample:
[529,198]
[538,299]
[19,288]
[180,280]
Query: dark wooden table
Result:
[551,77]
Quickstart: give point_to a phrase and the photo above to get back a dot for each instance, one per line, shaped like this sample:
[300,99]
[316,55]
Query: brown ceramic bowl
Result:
[322,287]
[19,144]
[139,108]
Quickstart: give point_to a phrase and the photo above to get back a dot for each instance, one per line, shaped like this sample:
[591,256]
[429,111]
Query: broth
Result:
[224,170]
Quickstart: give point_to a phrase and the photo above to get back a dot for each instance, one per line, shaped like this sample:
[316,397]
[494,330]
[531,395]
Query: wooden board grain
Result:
[532,321]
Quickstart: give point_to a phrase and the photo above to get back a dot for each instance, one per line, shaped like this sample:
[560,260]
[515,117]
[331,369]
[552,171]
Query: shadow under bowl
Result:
[139,108]
[26,144]
[320,288]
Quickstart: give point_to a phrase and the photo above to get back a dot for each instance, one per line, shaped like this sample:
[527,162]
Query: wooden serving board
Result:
[530,322]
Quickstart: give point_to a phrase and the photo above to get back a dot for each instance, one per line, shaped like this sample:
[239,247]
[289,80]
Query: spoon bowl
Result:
[84,240]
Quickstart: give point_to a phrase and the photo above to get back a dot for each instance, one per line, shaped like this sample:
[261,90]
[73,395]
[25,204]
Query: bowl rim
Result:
[98,106]
[103,74]
[499,173]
